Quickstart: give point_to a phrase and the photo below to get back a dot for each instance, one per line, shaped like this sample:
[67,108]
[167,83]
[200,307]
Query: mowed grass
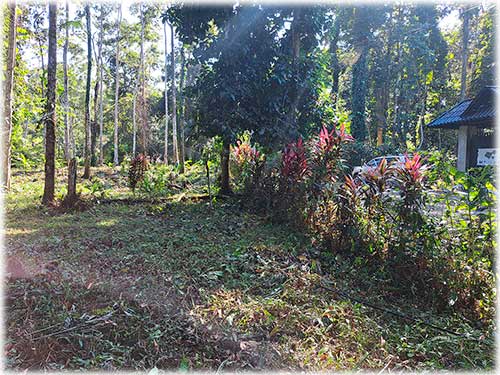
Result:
[178,284]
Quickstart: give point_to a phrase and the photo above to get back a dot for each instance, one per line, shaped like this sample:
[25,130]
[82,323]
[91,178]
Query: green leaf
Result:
[184,365]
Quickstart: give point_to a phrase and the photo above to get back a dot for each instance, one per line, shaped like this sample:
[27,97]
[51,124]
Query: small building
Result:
[475,121]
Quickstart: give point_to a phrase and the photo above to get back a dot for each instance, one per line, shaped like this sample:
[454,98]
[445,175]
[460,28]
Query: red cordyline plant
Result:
[350,190]
[249,163]
[327,151]
[333,218]
[411,176]
[243,153]
[376,178]
[294,161]
[343,136]
[328,140]
[411,173]
[349,199]
[414,169]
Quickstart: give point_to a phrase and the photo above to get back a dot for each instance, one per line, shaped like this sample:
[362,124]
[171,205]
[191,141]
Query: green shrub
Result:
[433,244]
[247,163]
[157,180]
[95,187]
[464,264]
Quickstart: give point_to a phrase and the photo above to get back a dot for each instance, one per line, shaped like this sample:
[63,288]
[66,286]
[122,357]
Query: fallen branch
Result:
[385,367]
[96,321]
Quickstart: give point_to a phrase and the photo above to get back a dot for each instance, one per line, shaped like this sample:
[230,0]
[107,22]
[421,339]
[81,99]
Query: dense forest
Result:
[179,186]
[278,72]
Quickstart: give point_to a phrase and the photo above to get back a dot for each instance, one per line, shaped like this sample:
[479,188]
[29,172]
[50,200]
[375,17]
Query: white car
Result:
[374,163]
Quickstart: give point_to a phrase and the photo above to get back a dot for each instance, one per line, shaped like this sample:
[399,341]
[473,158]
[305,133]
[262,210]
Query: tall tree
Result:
[482,72]
[334,59]
[182,109]
[295,29]
[465,14]
[8,94]
[134,118]
[8,91]
[40,37]
[100,80]
[88,130]
[360,31]
[117,85]
[95,122]
[231,86]
[50,116]
[380,73]
[143,113]
[174,97]
[68,150]
[165,155]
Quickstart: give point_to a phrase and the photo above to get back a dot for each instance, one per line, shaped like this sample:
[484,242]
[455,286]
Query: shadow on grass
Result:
[55,325]
[180,285]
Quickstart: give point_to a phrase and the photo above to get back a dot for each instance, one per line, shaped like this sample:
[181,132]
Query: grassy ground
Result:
[177,284]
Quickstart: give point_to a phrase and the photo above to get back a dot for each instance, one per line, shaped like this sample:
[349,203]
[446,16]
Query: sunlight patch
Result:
[107,222]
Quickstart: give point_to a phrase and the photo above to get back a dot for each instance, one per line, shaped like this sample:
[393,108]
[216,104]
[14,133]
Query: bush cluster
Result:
[424,234]
[247,163]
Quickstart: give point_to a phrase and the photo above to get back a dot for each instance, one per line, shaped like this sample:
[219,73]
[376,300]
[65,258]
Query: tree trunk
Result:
[380,112]
[134,122]
[359,74]
[117,86]
[71,196]
[8,93]
[207,169]
[225,187]
[420,128]
[396,127]
[72,136]
[182,109]
[165,156]
[88,135]
[174,99]
[187,125]
[465,55]
[143,131]
[43,82]
[40,50]
[94,125]
[101,116]
[50,116]
[382,88]
[359,84]
[68,150]
[294,95]
[334,59]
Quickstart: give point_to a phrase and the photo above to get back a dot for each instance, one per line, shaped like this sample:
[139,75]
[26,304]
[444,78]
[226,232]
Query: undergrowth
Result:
[185,285]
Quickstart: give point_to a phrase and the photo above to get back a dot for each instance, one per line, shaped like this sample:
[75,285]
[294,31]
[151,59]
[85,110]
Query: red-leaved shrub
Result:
[244,153]
[294,162]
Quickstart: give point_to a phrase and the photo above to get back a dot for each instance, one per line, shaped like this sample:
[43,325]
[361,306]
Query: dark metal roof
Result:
[451,116]
[483,106]
[470,111]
